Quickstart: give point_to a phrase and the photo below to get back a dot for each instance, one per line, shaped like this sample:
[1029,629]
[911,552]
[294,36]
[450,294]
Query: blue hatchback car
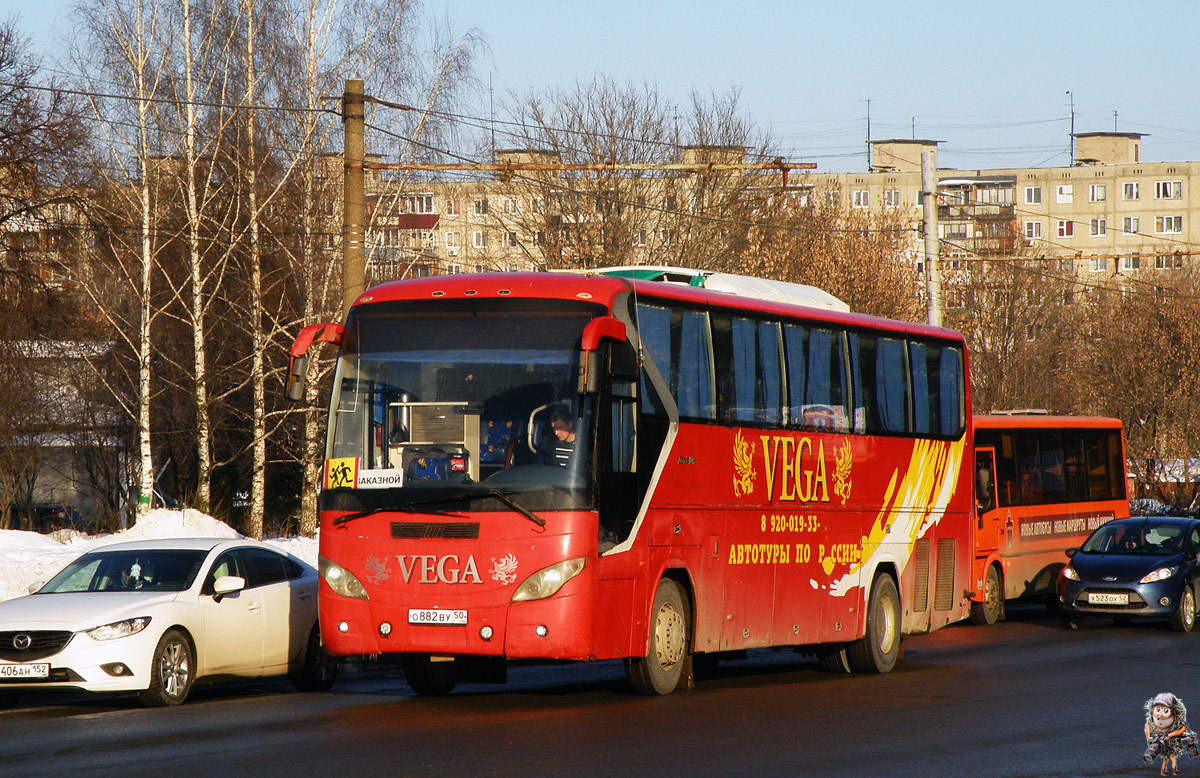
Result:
[1141,567]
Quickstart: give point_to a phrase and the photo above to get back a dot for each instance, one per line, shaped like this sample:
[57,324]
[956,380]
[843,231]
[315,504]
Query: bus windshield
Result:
[456,399]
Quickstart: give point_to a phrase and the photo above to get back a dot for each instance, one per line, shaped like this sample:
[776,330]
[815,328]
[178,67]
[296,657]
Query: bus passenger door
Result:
[987,523]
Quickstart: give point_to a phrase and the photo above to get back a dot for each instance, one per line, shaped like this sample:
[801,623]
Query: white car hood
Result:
[78,610]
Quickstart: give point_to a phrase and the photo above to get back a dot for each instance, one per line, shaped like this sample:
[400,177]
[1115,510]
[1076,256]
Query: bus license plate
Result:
[1107,598]
[436,616]
[25,671]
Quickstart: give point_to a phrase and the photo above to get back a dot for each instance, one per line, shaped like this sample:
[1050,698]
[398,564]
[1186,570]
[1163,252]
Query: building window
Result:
[1066,228]
[480,207]
[666,237]
[1168,190]
[1131,263]
[479,239]
[1168,225]
[1131,226]
[639,238]
[508,239]
[1033,195]
[1098,264]
[452,207]
[510,206]
[1033,230]
[452,240]
[1097,193]
[453,269]
[1168,261]
[1099,228]
[537,204]
[1066,265]
[1065,193]
[1131,190]
[891,198]
[862,198]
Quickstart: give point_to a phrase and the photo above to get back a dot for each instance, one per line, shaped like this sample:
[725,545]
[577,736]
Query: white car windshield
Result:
[162,570]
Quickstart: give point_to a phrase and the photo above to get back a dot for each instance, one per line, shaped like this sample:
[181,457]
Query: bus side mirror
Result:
[298,356]
[297,370]
[590,361]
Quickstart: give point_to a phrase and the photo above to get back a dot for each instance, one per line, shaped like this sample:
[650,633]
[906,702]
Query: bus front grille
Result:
[445,530]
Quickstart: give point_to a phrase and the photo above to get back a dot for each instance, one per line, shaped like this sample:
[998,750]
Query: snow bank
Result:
[28,557]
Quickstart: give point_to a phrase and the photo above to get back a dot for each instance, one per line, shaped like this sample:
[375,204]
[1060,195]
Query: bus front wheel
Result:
[659,672]
[991,609]
[878,649]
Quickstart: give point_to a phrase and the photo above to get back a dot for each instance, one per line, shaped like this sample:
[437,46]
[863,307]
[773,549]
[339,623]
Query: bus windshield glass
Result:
[452,400]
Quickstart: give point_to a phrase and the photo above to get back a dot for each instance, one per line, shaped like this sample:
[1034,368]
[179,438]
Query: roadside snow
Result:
[27,557]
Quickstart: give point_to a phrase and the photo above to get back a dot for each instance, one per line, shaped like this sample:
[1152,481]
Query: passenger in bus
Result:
[556,449]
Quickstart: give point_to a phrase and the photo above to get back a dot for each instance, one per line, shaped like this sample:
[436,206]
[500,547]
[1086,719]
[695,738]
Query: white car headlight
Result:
[1161,574]
[341,580]
[549,580]
[118,629]
[1069,572]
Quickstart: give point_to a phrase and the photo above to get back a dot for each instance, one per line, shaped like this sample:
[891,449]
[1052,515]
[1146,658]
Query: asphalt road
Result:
[1027,697]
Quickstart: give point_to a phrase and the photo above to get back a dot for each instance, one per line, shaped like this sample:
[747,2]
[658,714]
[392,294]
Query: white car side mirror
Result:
[228,584]
[33,587]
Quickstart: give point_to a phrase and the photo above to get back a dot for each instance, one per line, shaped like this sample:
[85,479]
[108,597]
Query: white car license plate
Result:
[1107,598]
[41,670]
[436,616]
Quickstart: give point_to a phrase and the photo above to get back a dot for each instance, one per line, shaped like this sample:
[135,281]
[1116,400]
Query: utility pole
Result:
[1072,99]
[353,194]
[868,102]
[933,281]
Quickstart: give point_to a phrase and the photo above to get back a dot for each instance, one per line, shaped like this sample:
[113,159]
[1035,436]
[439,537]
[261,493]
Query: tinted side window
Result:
[818,389]
[881,384]
[678,342]
[264,567]
[750,376]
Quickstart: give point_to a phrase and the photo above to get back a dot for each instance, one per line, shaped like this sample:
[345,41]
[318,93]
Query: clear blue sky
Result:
[987,79]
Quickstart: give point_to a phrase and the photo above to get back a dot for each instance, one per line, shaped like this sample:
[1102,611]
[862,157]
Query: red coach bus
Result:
[1043,484]
[583,466]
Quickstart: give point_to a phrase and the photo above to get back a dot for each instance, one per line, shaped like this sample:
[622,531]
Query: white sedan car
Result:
[155,616]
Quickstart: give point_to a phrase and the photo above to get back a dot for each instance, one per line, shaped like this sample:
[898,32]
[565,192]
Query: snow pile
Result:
[28,557]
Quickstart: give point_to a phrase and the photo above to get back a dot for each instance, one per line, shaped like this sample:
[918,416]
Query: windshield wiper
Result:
[516,506]
[406,507]
[409,506]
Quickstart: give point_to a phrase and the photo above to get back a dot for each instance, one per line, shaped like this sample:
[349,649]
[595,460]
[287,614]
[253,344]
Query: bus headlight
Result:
[547,581]
[341,580]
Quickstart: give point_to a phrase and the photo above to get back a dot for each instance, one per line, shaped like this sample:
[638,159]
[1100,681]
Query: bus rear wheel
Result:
[659,672]
[991,609]
[428,678]
[878,649]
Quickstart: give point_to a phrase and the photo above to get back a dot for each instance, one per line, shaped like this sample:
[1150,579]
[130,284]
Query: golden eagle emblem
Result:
[743,466]
[843,459]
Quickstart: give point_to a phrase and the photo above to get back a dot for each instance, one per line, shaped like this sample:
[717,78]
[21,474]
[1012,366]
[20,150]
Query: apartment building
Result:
[1110,212]
[1107,214]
